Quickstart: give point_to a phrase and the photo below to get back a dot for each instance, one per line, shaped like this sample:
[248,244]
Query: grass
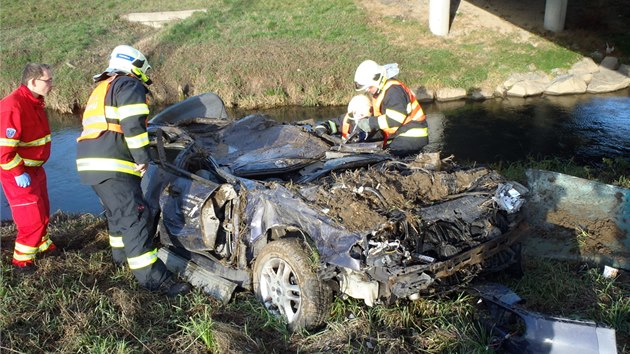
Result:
[253,54]
[79,302]
[614,171]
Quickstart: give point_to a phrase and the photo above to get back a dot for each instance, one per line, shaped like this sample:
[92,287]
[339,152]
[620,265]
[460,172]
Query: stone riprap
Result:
[584,76]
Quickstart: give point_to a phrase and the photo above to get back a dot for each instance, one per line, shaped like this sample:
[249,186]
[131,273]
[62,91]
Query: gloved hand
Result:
[23,180]
[364,125]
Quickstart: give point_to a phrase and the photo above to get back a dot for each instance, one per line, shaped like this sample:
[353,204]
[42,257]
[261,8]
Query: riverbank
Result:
[274,54]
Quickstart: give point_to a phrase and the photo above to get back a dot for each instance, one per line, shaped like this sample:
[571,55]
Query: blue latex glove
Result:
[23,180]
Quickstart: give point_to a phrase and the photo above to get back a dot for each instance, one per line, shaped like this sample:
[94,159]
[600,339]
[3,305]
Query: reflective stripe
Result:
[111,112]
[137,141]
[9,142]
[116,241]
[382,122]
[414,111]
[143,260]
[95,124]
[92,120]
[333,127]
[104,164]
[44,246]
[395,115]
[132,110]
[37,142]
[11,164]
[23,257]
[25,249]
[416,133]
[29,162]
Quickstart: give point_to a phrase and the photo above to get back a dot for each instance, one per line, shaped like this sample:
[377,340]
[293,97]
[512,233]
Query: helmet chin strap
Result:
[381,84]
[142,76]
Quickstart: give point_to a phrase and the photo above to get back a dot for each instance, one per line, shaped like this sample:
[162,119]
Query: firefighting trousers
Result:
[129,224]
[31,211]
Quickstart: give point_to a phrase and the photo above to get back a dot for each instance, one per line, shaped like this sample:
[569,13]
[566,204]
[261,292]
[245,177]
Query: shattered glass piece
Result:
[517,330]
[508,198]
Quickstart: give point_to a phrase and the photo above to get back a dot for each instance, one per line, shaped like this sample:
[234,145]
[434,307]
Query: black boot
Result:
[172,287]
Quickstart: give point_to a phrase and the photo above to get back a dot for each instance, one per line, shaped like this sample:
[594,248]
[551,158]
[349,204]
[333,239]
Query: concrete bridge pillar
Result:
[555,15]
[439,16]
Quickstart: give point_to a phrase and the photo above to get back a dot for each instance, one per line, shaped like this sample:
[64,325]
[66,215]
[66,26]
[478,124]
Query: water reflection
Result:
[586,128]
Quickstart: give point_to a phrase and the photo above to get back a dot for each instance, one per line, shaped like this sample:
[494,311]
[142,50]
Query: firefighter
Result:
[359,108]
[112,155]
[397,114]
[24,148]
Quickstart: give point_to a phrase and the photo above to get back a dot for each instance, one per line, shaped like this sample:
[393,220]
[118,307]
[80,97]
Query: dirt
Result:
[366,197]
[565,237]
[373,197]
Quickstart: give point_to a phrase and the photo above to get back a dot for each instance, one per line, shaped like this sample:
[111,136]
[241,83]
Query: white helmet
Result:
[360,106]
[129,60]
[368,73]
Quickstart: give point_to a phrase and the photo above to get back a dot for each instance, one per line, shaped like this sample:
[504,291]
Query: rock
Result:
[527,84]
[450,94]
[425,95]
[586,65]
[597,55]
[585,77]
[530,76]
[565,85]
[527,88]
[499,91]
[607,80]
[611,63]
[480,94]
[558,72]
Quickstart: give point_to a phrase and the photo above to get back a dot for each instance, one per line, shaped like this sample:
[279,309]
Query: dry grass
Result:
[79,302]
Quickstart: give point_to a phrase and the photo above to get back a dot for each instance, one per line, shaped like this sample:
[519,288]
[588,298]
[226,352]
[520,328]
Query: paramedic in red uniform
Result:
[24,148]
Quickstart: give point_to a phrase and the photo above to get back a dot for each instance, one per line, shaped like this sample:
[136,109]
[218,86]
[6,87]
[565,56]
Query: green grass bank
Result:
[256,54]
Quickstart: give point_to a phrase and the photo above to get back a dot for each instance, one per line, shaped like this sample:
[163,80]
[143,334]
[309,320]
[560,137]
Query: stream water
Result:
[586,128]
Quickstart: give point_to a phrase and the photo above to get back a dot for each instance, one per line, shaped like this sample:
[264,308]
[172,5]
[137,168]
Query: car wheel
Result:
[288,285]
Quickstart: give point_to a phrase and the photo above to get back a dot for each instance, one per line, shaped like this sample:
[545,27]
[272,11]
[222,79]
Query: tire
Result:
[288,285]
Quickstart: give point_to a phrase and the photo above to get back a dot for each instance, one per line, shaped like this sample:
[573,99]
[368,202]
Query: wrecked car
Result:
[262,206]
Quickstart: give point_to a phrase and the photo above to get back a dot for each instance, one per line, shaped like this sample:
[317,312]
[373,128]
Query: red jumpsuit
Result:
[25,147]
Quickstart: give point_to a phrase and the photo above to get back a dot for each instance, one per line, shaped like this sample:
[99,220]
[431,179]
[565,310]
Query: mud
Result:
[563,236]
[361,199]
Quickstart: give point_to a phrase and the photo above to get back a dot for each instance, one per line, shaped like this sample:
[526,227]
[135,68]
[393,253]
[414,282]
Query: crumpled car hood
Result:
[277,206]
[258,146]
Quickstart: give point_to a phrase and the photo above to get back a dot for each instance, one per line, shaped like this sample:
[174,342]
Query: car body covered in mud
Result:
[268,207]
